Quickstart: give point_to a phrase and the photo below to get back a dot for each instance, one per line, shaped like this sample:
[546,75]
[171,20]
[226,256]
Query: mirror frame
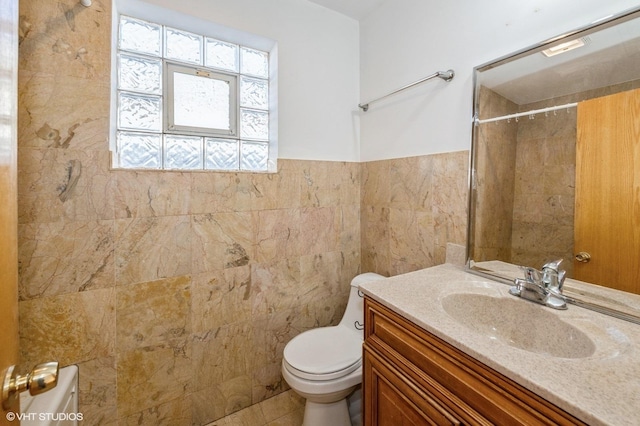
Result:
[573,297]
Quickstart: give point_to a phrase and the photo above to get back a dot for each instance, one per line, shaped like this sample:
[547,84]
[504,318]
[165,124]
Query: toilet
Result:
[324,365]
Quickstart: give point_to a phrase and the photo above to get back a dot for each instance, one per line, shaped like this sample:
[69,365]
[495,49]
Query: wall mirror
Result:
[555,167]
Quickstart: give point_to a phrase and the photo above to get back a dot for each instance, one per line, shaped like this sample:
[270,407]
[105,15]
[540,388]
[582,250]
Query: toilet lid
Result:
[324,351]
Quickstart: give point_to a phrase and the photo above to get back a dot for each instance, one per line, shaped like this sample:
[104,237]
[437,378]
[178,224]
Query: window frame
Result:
[262,157]
[170,68]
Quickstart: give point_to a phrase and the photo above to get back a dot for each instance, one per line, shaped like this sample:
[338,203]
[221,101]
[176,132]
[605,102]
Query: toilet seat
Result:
[324,353]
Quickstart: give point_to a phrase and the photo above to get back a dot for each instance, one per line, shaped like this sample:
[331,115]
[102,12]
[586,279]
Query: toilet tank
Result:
[354,314]
[57,407]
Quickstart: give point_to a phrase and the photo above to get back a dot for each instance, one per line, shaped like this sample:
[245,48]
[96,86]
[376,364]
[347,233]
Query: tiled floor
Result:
[286,409]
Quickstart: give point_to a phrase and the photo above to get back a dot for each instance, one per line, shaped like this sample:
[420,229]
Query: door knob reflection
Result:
[583,257]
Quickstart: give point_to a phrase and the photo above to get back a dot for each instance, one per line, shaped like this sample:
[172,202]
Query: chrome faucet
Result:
[544,287]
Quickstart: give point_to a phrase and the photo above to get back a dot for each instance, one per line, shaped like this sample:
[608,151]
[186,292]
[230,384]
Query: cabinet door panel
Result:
[393,410]
[395,400]
[475,392]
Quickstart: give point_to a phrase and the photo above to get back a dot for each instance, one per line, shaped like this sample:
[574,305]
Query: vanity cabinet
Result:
[411,377]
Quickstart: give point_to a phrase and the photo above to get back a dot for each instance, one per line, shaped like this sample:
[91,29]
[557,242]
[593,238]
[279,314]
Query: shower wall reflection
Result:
[528,188]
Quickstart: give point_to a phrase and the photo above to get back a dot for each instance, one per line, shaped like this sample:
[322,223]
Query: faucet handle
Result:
[532,275]
[544,287]
[561,276]
[553,276]
[554,265]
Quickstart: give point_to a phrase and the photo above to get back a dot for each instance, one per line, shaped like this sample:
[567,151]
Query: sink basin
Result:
[519,324]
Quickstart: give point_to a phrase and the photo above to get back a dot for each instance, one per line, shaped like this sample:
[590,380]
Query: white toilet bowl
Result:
[324,365]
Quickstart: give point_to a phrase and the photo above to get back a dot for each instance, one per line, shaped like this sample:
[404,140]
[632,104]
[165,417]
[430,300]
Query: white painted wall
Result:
[405,40]
[328,63]
[318,69]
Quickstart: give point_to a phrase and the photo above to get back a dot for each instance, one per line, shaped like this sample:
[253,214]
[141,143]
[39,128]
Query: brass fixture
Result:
[583,257]
[42,378]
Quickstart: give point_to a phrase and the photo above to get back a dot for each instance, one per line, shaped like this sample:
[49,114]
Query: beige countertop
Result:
[600,389]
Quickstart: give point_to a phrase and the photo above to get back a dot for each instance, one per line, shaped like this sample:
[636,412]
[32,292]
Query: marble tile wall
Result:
[524,212]
[410,209]
[183,316]
[496,156]
[544,191]
[175,293]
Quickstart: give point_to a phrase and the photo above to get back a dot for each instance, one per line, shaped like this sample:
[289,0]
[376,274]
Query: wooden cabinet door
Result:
[393,399]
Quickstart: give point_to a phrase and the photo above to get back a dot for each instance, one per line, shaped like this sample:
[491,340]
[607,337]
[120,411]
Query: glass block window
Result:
[189,102]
